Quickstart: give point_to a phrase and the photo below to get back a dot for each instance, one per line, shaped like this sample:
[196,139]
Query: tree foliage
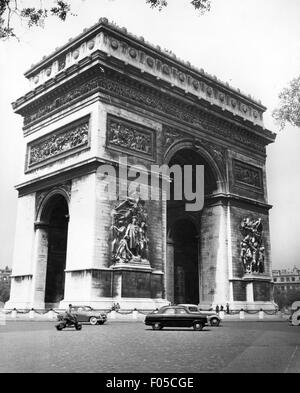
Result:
[4,291]
[200,5]
[11,10]
[284,299]
[289,108]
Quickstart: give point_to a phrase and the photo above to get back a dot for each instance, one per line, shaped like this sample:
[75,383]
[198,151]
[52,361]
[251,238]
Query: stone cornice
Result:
[237,199]
[183,109]
[117,44]
[60,176]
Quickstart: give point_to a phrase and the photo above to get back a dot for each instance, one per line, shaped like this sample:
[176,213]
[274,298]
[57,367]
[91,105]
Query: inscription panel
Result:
[262,291]
[130,137]
[64,141]
[239,291]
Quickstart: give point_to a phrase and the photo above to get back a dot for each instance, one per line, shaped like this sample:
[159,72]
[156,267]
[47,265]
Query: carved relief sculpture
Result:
[247,174]
[59,142]
[252,250]
[129,241]
[124,135]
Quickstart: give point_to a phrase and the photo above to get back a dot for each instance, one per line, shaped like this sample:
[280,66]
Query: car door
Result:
[169,317]
[183,318]
[81,315]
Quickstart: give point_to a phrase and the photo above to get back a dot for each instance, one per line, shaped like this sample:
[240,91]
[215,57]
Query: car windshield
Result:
[87,308]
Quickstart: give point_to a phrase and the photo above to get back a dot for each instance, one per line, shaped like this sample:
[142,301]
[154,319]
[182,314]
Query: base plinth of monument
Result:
[23,305]
[132,266]
[256,277]
[134,263]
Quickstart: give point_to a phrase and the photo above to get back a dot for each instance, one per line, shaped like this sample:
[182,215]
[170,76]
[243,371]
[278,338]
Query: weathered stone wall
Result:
[24,236]
[81,230]
[20,293]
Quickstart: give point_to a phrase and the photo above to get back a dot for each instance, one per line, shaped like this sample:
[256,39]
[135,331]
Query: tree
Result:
[33,16]
[200,5]
[11,10]
[4,291]
[286,298]
[289,108]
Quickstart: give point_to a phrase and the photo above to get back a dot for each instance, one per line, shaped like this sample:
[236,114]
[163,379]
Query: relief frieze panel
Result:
[63,141]
[249,175]
[125,136]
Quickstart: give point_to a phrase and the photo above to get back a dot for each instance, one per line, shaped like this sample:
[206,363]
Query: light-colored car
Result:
[212,317]
[88,314]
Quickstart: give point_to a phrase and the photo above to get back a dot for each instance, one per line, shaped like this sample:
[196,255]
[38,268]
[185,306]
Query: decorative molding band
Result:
[118,44]
[126,136]
[247,175]
[19,277]
[65,141]
[124,88]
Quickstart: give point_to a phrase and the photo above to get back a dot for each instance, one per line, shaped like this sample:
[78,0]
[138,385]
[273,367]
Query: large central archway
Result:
[186,269]
[184,256]
[56,214]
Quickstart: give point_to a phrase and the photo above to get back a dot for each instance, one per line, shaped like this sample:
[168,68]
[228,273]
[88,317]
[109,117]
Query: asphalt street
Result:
[131,347]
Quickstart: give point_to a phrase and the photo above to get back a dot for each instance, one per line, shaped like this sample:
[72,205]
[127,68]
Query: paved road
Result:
[132,347]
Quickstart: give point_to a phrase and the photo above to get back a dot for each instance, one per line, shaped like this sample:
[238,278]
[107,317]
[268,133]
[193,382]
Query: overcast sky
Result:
[252,44]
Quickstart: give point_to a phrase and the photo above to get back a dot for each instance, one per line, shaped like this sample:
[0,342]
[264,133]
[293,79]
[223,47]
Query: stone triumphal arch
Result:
[107,95]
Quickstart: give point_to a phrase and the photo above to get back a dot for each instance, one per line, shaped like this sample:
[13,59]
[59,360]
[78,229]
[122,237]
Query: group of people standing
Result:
[221,308]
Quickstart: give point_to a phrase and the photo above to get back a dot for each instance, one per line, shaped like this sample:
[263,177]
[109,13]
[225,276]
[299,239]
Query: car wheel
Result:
[198,326]
[214,322]
[157,326]
[93,321]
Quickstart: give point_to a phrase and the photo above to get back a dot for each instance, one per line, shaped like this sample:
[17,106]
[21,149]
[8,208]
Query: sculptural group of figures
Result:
[129,231]
[252,250]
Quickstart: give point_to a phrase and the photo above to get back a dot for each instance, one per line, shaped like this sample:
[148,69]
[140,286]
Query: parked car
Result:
[175,316]
[212,317]
[88,314]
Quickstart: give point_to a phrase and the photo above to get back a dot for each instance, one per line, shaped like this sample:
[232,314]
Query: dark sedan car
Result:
[175,316]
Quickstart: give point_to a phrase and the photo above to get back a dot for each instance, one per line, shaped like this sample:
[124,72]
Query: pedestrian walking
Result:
[227,309]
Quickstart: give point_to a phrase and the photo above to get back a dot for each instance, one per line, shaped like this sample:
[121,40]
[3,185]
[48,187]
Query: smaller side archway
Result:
[51,244]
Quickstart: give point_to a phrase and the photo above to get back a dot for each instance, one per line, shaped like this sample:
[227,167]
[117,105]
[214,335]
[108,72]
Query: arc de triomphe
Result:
[107,95]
